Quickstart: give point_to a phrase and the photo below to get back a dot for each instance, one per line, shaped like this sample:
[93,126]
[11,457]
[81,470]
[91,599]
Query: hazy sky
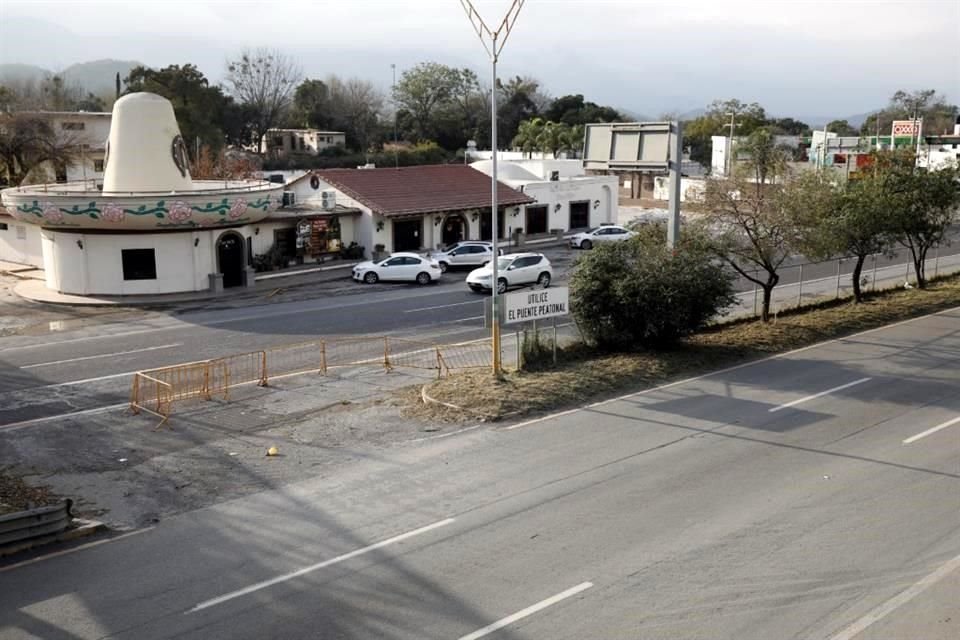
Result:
[794,57]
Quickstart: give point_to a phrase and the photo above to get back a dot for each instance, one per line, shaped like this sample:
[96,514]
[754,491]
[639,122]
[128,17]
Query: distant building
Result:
[90,130]
[941,151]
[284,142]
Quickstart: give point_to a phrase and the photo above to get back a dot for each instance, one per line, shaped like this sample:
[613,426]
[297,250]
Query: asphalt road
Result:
[89,366]
[811,495]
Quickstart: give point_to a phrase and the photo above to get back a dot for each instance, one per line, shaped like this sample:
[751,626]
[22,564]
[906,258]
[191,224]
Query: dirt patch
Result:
[584,376]
[17,495]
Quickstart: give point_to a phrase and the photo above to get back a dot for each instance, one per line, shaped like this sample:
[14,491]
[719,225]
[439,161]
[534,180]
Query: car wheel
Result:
[502,285]
[443,267]
[370,277]
[544,280]
[423,278]
[586,244]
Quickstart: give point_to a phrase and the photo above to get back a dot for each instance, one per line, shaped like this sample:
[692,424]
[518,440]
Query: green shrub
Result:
[639,293]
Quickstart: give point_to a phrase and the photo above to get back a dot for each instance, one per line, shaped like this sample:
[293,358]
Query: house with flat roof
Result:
[284,142]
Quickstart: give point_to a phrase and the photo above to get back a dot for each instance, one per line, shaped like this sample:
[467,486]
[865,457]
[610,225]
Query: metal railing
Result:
[155,391]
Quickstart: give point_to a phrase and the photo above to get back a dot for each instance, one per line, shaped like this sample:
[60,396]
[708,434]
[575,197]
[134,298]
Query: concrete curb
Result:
[83,529]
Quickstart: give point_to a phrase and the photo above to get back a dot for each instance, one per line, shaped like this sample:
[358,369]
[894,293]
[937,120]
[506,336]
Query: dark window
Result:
[536,219]
[73,126]
[139,264]
[579,215]
[3,226]
[554,176]
[411,261]
[98,165]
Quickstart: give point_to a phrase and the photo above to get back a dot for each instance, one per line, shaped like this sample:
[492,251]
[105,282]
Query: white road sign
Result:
[522,306]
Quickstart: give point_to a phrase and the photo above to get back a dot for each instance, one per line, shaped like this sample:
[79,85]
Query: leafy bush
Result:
[352,252]
[640,293]
[425,153]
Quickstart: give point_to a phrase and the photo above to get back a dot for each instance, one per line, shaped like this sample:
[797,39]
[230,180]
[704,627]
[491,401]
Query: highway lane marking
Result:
[735,367]
[320,565]
[926,433]
[102,355]
[819,395]
[444,306]
[529,611]
[898,601]
[11,426]
[74,549]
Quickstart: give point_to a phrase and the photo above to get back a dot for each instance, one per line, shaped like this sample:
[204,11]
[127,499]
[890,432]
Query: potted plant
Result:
[379,252]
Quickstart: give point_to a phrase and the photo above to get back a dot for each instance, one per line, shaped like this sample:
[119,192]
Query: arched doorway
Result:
[454,230]
[230,258]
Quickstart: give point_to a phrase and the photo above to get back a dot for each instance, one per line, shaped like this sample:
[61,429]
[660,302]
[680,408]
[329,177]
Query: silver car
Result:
[468,253]
[515,269]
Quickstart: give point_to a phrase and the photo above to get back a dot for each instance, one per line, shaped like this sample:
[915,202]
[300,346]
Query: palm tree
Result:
[528,135]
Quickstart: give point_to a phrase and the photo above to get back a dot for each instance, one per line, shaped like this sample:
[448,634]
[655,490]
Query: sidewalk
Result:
[35,290]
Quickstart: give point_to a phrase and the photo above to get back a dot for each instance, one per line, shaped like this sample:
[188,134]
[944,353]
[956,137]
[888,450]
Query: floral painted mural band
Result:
[164,213]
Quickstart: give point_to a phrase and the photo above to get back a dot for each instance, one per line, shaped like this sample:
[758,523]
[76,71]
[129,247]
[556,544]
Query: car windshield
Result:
[451,247]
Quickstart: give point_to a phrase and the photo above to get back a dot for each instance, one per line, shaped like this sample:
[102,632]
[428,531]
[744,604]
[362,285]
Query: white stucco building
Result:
[566,198]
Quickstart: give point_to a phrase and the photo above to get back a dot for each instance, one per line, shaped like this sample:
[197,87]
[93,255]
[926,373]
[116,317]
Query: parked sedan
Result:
[469,253]
[604,233]
[513,270]
[399,267]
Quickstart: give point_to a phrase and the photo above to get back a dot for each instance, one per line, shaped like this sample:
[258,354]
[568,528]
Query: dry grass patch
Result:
[584,376]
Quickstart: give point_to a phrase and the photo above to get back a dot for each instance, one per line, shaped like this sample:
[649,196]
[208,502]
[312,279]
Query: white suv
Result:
[513,270]
[469,253]
[603,233]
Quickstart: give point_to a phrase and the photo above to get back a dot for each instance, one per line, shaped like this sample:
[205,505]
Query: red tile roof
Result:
[420,189]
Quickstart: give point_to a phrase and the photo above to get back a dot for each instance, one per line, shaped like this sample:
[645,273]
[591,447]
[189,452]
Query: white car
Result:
[513,270]
[603,233]
[468,253]
[399,267]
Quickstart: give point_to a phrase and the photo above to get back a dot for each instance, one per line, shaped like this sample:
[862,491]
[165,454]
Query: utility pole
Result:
[493,50]
[396,156]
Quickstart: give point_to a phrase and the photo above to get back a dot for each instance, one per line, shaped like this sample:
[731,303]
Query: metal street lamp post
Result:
[497,39]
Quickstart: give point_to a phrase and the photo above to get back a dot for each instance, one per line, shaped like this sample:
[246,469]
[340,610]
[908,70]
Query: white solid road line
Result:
[102,355]
[320,565]
[444,306]
[24,423]
[926,433]
[519,615]
[88,545]
[898,601]
[821,394]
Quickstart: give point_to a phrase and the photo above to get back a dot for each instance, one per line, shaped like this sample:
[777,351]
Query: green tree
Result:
[202,111]
[355,107]
[755,231]
[574,110]
[938,115]
[528,135]
[841,128]
[924,207]
[789,127]
[638,292]
[424,90]
[851,219]
[265,81]
[519,99]
[311,105]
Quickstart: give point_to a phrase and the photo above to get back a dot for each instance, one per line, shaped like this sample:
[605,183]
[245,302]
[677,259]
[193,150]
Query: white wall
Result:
[20,242]
[691,189]
[593,189]
[184,260]
[543,168]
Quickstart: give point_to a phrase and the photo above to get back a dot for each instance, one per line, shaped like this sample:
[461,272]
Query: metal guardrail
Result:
[155,391]
[35,523]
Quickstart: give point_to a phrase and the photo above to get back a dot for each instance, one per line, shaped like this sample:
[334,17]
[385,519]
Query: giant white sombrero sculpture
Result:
[149,228]
[146,182]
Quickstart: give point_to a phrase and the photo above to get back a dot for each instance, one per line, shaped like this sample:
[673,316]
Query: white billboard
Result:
[523,306]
